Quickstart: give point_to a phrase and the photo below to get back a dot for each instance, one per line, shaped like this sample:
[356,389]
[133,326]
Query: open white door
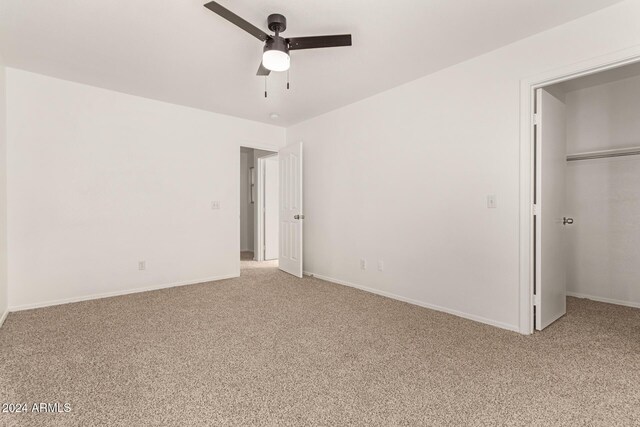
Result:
[551,164]
[271,207]
[291,214]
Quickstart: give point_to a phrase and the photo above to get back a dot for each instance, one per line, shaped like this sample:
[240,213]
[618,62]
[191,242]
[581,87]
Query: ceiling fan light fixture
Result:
[276,55]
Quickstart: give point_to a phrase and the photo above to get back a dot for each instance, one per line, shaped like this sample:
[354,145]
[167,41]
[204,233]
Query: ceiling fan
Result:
[275,55]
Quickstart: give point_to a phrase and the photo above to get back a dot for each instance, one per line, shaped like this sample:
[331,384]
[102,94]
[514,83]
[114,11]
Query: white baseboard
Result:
[4,317]
[118,293]
[468,316]
[607,300]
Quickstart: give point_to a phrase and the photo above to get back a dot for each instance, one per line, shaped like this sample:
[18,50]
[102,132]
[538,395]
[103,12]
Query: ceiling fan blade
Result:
[235,19]
[262,71]
[314,42]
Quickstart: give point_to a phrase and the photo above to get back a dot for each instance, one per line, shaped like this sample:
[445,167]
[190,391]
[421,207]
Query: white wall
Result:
[604,116]
[246,207]
[99,180]
[403,176]
[603,195]
[3,197]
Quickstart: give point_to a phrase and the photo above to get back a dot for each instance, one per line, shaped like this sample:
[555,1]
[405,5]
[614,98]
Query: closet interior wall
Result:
[603,195]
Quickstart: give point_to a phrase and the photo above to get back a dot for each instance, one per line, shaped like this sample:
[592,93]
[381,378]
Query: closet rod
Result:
[604,154]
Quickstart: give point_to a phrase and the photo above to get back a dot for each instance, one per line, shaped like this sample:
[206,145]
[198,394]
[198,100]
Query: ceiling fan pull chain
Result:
[265,86]
[287,79]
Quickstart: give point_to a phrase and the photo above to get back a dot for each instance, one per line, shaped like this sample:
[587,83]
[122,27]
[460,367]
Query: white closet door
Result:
[551,164]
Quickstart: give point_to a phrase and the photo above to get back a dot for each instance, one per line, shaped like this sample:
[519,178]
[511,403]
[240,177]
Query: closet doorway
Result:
[586,192]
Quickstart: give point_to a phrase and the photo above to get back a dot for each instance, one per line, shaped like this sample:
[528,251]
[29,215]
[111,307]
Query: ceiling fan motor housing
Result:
[277,23]
[276,43]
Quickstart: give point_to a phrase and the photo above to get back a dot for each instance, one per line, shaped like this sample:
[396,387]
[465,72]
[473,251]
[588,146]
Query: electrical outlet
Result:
[363,264]
[215,205]
[142,265]
[380,265]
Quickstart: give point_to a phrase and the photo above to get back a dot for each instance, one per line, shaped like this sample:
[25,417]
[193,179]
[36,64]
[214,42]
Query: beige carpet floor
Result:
[270,349]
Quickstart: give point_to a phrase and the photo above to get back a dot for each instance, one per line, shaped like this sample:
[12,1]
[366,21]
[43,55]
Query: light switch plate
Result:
[492,201]
[215,205]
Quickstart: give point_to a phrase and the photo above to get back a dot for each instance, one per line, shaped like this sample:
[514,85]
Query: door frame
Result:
[528,88]
[259,254]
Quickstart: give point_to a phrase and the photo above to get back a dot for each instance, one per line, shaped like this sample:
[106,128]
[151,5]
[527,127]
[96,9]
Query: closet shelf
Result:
[619,152]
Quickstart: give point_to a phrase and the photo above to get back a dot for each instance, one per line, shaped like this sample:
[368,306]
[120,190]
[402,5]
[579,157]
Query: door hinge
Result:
[534,209]
[536,300]
[536,119]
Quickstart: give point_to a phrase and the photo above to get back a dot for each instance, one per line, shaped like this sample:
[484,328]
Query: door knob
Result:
[298,217]
[566,221]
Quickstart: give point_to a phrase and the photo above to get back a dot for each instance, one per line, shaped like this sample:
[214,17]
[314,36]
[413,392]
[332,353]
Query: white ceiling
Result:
[180,52]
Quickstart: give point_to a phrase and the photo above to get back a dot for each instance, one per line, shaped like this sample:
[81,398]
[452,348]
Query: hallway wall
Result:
[246,207]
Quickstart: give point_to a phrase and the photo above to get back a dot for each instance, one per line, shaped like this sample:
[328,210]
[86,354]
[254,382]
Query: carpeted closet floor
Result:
[271,349]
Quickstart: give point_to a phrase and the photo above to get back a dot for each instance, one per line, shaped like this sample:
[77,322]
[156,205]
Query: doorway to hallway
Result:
[259,202]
